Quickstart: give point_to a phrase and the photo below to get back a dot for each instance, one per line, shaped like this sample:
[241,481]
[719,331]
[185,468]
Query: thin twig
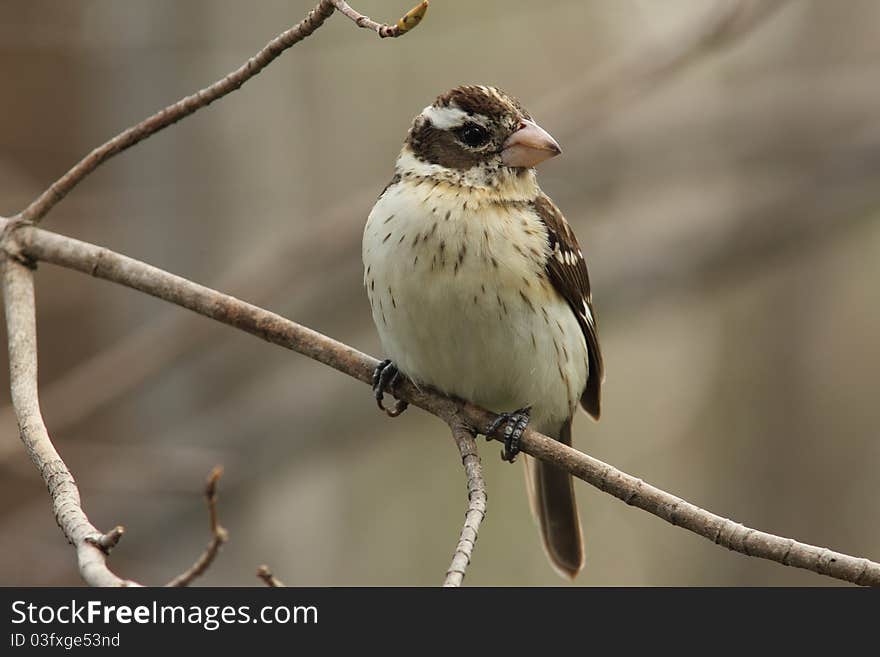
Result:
[91,544]
[102,263]
[463,435]
[218,535]
[174,113]
[268,578]
[639,73]
[191,104]
[406,23]
[109,540]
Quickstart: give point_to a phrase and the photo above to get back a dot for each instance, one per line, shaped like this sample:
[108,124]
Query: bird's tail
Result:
[551,494]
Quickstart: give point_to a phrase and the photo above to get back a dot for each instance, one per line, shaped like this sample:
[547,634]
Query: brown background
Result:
[729,218]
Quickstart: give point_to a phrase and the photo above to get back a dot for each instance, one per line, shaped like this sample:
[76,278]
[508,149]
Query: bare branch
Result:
[91,545]
[191,104]
[218,534]
[268,578]
[463,435]
[171,335]
[603,92]
[406,23]
[102,263]
[174,113]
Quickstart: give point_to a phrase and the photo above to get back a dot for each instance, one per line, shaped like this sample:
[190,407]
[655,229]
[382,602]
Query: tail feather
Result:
[551,495]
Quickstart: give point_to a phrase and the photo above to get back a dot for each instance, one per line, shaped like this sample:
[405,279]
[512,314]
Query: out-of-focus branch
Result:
[405,23]
[91,545]
[73,395]
[218,535]
[191,104]
[622,81]
[828,205]
[822,209]
[268,578]
[174,113]
[67,252]
[612,87]
[464,438]
[154,344]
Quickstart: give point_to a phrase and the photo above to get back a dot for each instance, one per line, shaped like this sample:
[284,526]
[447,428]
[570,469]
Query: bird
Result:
[479,289]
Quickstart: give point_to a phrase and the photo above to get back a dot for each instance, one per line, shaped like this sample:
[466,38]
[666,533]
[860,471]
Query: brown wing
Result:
[568,274]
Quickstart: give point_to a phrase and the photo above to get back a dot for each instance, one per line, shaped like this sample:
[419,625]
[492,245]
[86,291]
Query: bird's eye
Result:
[473,134]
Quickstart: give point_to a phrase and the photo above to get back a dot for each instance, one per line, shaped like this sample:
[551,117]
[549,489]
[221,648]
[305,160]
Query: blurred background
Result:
[721,168]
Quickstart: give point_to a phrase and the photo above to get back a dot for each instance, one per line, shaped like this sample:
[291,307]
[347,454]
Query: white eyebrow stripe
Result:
[445,118]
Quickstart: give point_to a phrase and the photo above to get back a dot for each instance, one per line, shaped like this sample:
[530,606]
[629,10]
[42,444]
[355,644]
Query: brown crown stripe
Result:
[474,100]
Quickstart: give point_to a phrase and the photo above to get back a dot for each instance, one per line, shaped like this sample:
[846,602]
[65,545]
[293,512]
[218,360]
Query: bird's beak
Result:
[528,146]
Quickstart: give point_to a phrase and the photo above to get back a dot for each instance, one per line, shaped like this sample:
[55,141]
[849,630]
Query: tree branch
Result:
[151,347]
[268,578]
[405,23]
[174,113]
[90,544]
[102,263]
[171,335]
[191,104]
[464,437]
[219,536]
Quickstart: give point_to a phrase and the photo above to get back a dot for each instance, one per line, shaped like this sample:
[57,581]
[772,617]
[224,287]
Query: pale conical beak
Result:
[528,146]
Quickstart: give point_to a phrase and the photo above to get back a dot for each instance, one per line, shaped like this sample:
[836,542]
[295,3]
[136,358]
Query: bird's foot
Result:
[514,425]
[386,376]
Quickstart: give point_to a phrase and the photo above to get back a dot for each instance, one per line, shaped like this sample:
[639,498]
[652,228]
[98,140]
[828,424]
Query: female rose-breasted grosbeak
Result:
[479,289]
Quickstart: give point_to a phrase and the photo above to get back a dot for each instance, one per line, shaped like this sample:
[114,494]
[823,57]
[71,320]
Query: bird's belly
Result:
[476,331]
[502,360]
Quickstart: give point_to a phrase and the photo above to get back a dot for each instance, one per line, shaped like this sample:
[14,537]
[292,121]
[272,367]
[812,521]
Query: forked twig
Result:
[192,103]
[37,244]
[22,244]
[91,544]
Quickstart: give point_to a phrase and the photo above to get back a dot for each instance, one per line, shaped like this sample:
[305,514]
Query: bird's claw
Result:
[386,376]
[514,425]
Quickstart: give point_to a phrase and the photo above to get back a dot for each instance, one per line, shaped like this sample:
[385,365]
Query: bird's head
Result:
[476,136]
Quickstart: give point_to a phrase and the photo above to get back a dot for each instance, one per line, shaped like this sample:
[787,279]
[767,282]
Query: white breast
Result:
[461,301]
